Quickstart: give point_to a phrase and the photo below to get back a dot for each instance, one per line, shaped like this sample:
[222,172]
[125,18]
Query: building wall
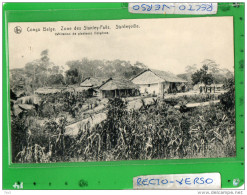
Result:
[156,88]
[150,88]
[151,83]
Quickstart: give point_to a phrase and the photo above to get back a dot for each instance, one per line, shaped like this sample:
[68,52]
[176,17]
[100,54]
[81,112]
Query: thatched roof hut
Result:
[94,82]
[118,88]
[47,90]
[115,84]
[82,89]
[68,89]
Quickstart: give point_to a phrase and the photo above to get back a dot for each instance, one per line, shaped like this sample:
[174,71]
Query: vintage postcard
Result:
[137,89]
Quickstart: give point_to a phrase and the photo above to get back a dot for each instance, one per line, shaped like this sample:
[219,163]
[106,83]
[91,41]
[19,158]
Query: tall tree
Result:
[37,71]
[102,68]
[202,76]
[191,68]
[213,67]
[72,76]
[56,79]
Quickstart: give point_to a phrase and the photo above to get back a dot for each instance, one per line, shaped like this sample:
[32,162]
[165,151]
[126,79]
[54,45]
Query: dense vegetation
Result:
[156,131]
[209,70]
[43,72]
[80,69]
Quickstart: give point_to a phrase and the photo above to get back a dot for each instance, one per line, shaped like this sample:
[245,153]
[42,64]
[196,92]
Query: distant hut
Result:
[68,89]
[47,91]
[158,82]
[118,88]
[85,91]
[53,94]
[92,84]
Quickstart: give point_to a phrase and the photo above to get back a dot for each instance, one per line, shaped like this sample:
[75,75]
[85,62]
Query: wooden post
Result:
[161,89]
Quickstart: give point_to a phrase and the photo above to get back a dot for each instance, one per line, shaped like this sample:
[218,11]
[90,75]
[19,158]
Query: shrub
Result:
[18,135]
[157,132]
[228,99]
[44,144]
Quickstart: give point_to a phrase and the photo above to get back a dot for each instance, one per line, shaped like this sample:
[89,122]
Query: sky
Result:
[164,44]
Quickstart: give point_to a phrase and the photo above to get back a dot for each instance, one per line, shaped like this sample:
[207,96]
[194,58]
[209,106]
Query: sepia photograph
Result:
[111,90]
